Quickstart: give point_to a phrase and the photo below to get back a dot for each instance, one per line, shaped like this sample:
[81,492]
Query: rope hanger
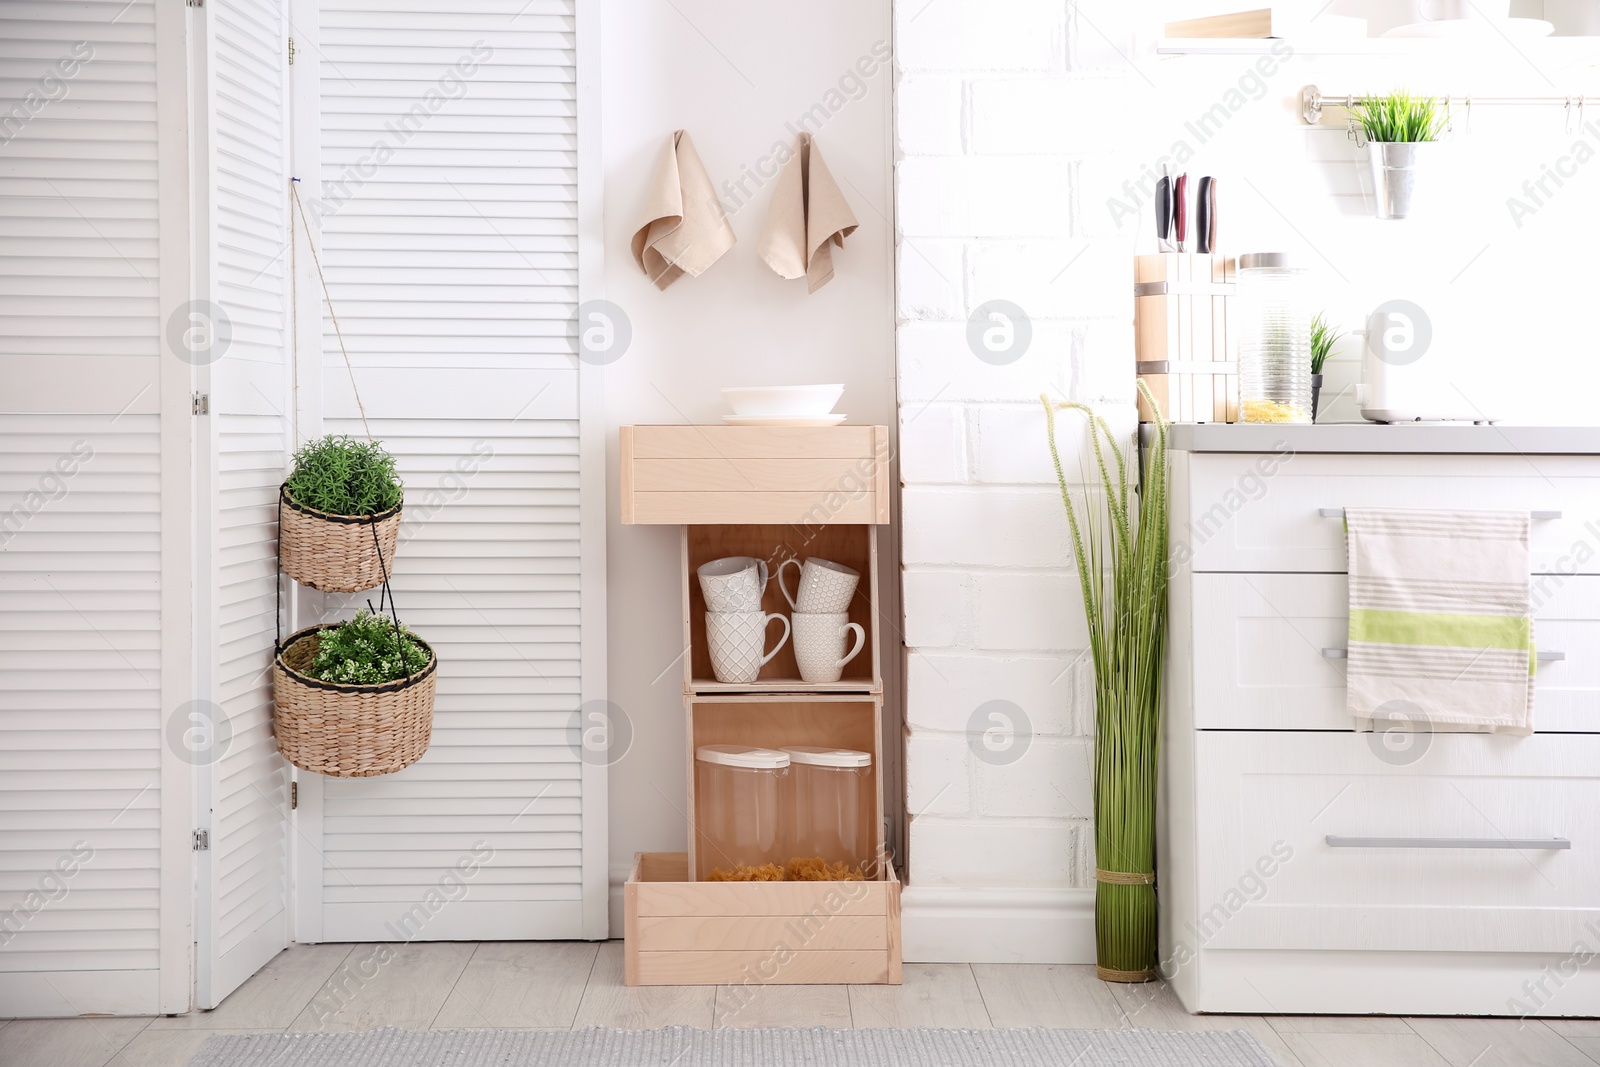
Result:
[294,189]
[386,591]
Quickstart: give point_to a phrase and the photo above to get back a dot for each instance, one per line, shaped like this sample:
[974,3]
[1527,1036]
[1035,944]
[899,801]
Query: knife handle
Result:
[1180,209]
[1164,208]
[1211,216]
[1202,215]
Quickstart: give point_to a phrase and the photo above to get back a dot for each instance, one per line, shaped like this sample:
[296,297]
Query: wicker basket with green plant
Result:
[339,515]
[354,699]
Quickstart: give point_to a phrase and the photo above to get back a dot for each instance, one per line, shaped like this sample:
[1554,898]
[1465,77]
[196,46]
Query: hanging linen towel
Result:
[807,217]
[1441,624]
[683,229]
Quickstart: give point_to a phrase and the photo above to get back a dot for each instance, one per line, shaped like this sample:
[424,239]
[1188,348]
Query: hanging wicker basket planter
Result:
[336,553]
[349,731]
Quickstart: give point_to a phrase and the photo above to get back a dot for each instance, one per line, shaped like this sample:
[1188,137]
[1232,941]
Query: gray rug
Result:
[683,1046]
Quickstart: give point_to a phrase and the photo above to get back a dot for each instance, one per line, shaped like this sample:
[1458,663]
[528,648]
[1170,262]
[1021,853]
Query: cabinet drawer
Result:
[1258,641]
[1431,867]
[1234,517]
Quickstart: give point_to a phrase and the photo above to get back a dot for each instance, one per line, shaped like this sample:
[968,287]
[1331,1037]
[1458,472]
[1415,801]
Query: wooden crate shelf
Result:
[783,686]
[778,721]
[854,546]
[679,932]
[774,494]
[807,476]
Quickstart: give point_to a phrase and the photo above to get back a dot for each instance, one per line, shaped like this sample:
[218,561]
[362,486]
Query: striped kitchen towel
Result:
[1441,621]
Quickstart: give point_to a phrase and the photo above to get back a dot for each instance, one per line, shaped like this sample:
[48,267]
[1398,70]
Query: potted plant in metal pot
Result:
[1399,130]
[1323,335]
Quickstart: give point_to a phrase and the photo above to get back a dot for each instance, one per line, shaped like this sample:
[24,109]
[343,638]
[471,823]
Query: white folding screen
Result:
[445,209]
[95,637]
[243,358]
[165,347]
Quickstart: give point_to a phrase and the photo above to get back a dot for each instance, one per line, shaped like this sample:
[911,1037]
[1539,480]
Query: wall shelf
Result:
[1567,48]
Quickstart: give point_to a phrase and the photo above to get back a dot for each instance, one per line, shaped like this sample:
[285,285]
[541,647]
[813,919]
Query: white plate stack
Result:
[784,405]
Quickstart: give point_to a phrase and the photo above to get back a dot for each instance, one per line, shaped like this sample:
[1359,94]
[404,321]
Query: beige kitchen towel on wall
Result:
[808,216]
[683,229]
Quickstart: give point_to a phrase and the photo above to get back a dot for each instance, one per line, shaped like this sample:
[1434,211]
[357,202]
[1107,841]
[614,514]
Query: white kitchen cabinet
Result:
[1308,868]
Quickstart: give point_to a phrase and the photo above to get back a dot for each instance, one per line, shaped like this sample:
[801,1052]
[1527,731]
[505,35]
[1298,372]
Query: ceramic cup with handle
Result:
[819,644]
[824,588]
[736,640]
[733,584]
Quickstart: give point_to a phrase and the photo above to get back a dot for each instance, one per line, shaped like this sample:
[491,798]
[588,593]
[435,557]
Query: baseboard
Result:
[618,875]
[942,924]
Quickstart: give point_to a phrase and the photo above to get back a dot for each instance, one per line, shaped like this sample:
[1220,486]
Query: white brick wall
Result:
[1007,118]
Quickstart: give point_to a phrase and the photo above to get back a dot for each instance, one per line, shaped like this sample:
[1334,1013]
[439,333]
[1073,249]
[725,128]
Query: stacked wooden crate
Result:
[773,493]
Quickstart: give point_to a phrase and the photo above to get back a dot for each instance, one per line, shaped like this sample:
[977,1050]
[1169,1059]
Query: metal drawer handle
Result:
[1544,655]
[1539,843]
[1536,516]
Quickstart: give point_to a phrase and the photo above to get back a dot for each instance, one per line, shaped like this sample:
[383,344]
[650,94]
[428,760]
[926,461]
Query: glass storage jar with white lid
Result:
[738,807]
[830,806]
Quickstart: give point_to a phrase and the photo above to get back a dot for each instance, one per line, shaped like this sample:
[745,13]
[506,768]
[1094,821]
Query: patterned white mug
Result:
[824,588]
[733,584]
[819,644]
[736,640]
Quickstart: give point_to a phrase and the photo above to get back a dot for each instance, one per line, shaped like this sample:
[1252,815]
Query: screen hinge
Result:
[200,403]
[294,795]
[291,51]
[202,840]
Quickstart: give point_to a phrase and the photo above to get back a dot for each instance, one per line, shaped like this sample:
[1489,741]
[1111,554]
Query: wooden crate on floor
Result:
[752,934]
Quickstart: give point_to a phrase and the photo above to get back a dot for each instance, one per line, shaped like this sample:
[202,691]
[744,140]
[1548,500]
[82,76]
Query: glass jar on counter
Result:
[1274,309]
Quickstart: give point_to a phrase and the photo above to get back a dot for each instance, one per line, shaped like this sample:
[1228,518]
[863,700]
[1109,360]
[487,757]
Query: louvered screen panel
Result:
[80,553]
[245,920]
[80,715]
[453,269]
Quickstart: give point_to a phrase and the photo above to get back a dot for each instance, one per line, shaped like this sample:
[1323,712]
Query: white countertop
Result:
[1411,438]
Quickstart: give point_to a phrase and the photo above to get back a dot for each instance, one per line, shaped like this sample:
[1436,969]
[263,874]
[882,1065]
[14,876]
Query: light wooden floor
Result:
[541,985]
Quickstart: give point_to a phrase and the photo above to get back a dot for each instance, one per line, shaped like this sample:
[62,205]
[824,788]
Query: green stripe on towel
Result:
[1439,628]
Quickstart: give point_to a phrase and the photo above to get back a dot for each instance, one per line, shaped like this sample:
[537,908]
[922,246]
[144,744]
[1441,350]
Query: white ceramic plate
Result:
[808,401]
[1476,28]
[784,420]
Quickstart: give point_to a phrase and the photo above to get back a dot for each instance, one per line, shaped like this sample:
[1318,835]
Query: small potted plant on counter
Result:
[1323,335]
[339,515]
[354,699]
[1398,128]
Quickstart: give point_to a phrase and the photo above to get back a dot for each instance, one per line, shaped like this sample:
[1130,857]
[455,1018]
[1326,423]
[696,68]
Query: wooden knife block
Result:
[1186,335]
